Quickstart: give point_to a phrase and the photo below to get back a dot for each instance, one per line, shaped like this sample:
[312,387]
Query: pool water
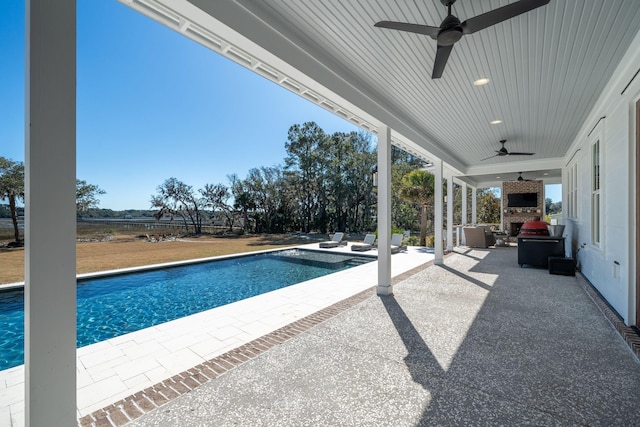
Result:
[111,306]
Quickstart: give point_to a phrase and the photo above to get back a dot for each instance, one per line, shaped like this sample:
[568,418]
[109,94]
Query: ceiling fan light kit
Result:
[451,29]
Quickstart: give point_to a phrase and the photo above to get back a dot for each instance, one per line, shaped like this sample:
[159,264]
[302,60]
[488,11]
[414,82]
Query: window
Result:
[572,191]
[596,205]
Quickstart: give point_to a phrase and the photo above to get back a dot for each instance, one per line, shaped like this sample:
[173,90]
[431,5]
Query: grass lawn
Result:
[127,250]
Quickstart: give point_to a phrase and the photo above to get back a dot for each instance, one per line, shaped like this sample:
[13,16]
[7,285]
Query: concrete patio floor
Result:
[478,341]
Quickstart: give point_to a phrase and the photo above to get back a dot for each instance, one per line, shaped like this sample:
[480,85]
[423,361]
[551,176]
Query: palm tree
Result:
[12,188]
[418,187]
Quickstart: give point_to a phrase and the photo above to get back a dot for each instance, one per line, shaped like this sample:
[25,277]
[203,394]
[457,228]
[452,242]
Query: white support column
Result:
[464,209]
[450,203]
[565,198]
[474,205]
[384,212]
[438,212]
[50,216]
[501,210]
[464,203]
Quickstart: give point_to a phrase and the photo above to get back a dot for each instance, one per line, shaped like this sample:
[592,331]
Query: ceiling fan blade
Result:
[442,55]
[520,154]
[500,14]
[427,30]
[490,157]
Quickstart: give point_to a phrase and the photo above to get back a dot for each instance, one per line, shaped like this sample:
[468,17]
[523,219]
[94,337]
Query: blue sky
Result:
[152,104]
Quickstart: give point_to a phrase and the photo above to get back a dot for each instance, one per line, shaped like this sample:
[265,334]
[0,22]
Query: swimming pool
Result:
[111,306]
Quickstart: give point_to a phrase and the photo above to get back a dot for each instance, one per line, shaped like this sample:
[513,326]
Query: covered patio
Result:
[563,83]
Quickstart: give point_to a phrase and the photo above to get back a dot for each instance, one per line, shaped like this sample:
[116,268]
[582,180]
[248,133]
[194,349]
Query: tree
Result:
[552,208]
[87,195]
[403,211]
[418,187]
[217,197]
[242,199]
[304,165]
[347,167]
[359,176]
[488,207]
[175,198]
[274,198]
[12,188]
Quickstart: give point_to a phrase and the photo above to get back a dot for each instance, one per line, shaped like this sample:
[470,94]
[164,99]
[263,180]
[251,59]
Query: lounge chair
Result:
[396,243]
[366,244]
[335,242]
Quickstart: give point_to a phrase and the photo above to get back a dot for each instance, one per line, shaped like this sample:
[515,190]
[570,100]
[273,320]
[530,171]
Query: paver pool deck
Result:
[111,370]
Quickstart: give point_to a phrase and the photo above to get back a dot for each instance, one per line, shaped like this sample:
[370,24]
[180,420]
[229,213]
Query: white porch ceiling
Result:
[547,68]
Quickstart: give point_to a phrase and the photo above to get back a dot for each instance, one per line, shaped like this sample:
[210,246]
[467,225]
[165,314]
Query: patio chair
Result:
[366,244]
[478,237]
[396,243]
[335,242]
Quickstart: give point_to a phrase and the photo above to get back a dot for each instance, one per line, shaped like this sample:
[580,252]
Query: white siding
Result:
[607,266]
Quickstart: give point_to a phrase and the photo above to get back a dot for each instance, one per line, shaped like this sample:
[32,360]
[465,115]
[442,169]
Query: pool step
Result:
[354,262]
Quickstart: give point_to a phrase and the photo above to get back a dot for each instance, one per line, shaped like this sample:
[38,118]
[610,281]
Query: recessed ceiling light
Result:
[497,177]
[481,82]
[545,174]
[495,122]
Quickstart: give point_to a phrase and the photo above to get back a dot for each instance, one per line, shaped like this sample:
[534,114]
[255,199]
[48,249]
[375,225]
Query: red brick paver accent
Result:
[630,335]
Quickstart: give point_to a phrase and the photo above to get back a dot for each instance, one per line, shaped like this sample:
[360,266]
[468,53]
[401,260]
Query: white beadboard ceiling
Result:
[547,69]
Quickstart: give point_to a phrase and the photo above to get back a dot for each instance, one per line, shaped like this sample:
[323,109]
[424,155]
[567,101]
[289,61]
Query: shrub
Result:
[431,241]
[394,230]
[413,241]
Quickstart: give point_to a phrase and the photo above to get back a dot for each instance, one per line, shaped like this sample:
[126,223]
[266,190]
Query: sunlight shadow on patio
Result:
[518,360]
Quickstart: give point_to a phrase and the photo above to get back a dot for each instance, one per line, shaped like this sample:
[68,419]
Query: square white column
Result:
[450,203]
[50,213]
[474,205]
[464,203]
[464,209]
[384,212]
[438,213]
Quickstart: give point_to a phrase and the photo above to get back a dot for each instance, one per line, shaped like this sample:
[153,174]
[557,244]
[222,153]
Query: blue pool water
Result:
[111,306]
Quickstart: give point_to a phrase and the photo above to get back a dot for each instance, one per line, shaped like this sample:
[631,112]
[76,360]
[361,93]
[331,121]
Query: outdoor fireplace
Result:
[514,228]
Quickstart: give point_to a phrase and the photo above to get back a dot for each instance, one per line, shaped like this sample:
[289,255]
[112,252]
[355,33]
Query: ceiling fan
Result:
[520,178]
[451,29]
[504,152]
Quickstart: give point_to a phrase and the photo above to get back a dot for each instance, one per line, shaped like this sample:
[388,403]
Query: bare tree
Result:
[177,199]
[217,197]
[87,195]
